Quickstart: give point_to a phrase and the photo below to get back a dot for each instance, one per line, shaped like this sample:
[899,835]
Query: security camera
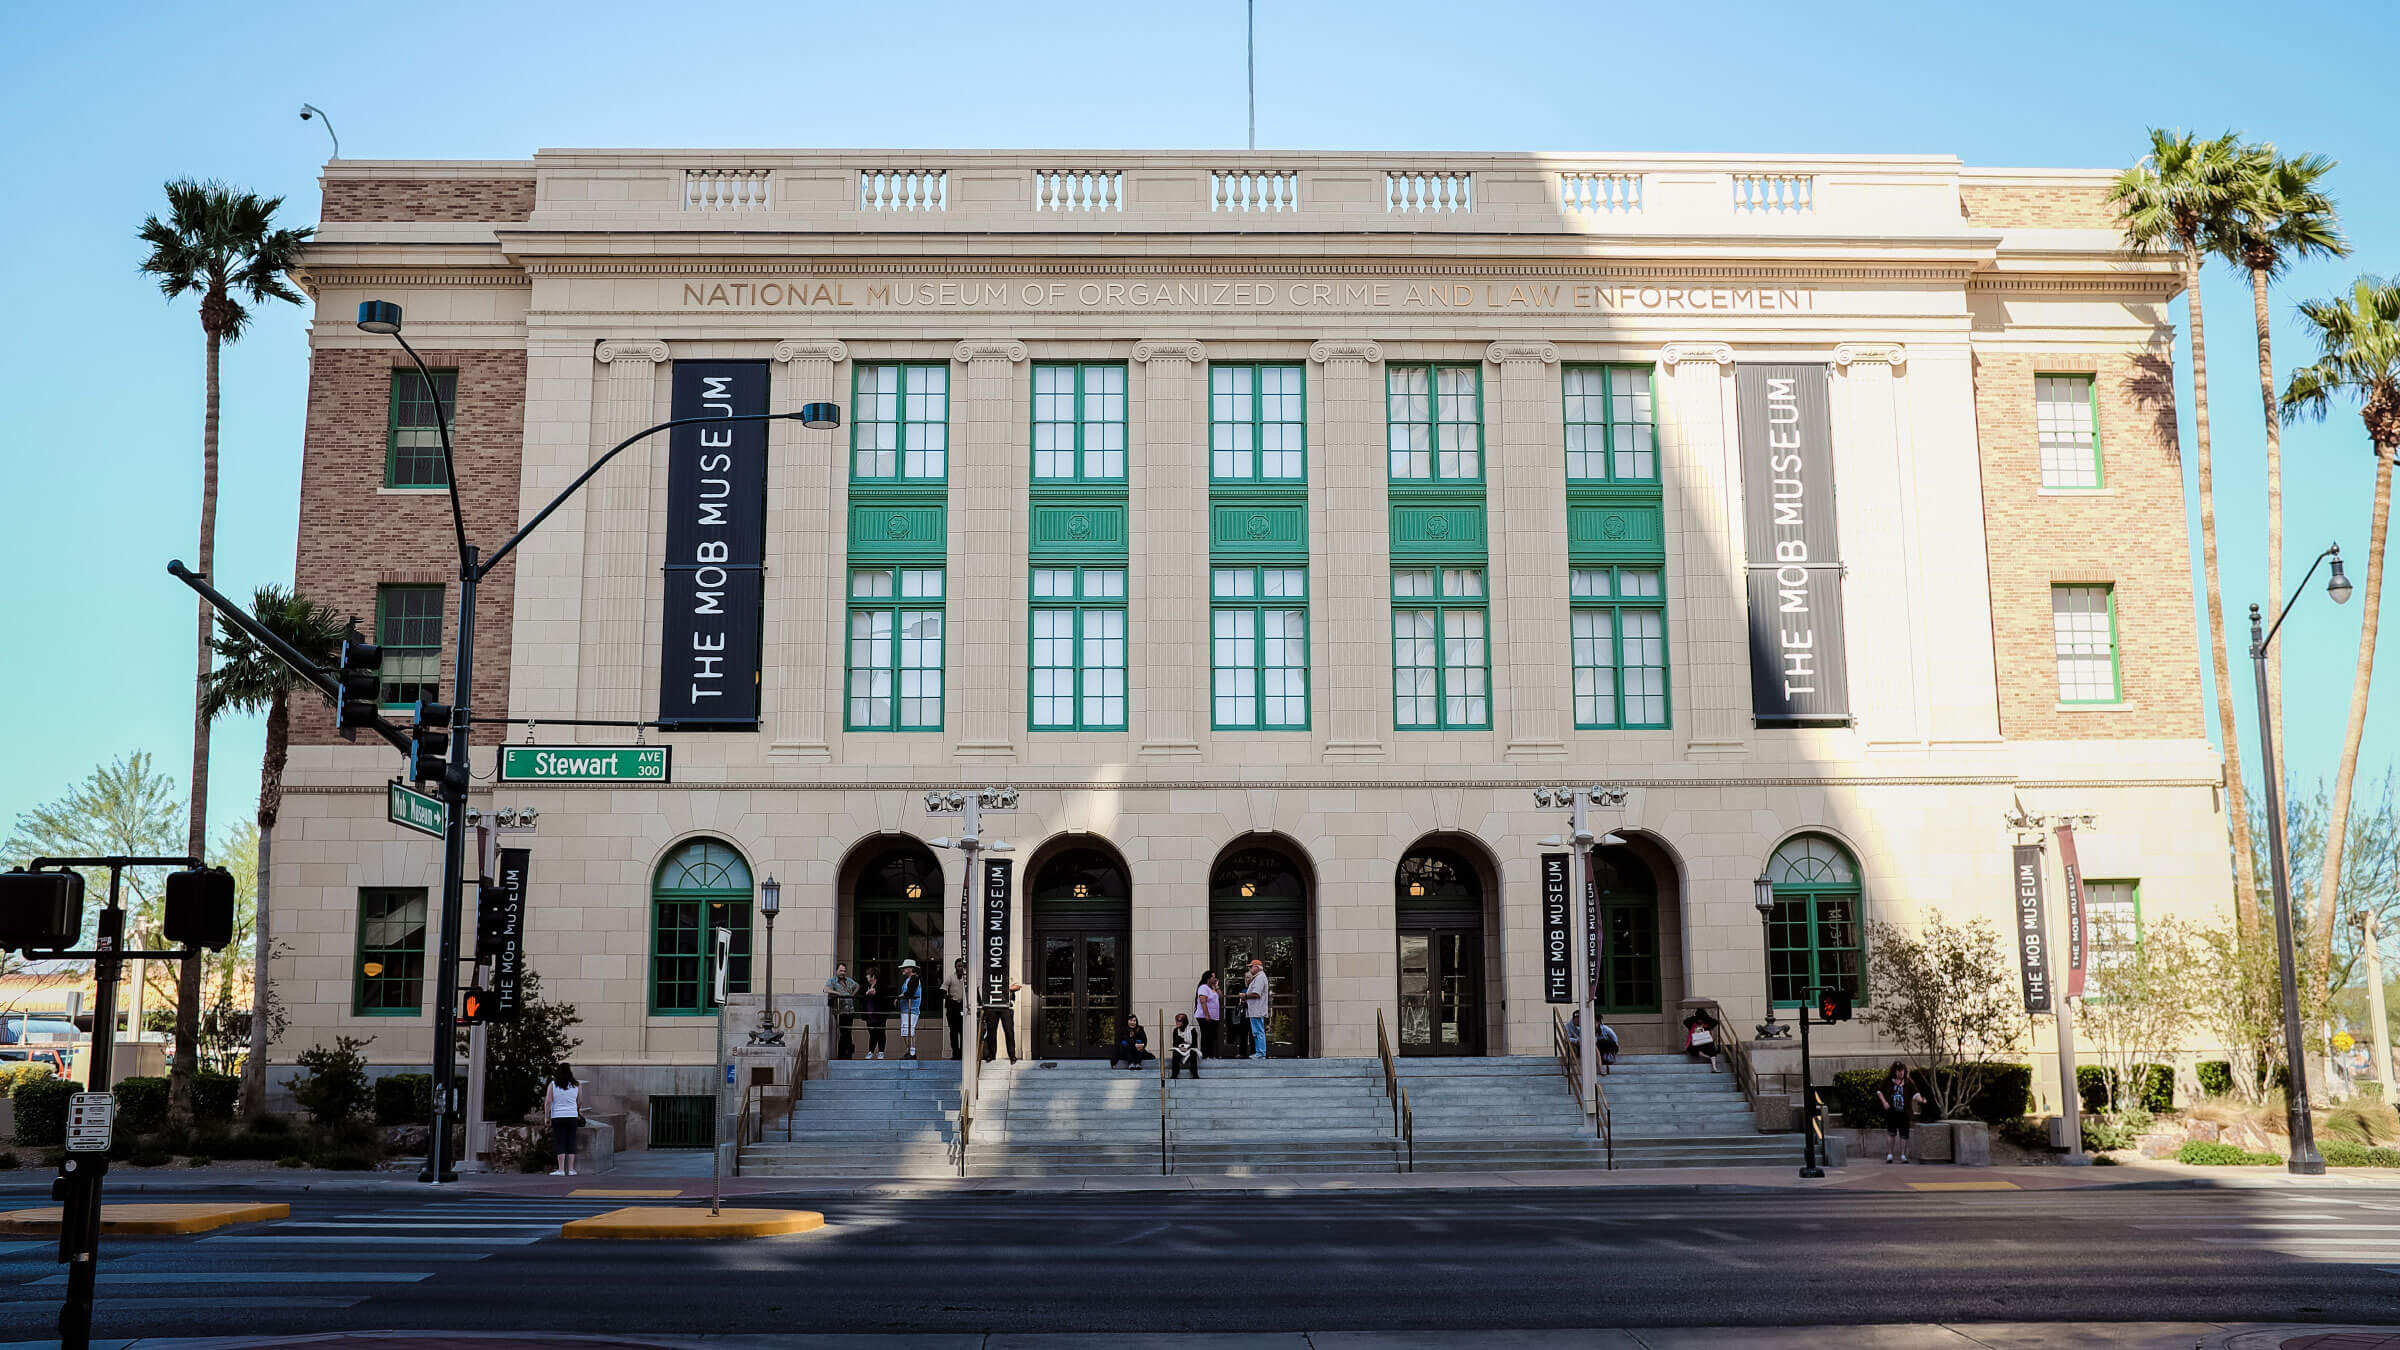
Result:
[307,113]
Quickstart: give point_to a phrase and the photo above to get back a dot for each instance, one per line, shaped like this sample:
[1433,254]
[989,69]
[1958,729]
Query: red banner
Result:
[2075,922]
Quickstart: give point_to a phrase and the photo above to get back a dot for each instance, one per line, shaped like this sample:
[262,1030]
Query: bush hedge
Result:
[214,1095]
[2215,1075]
[404,1099]
[2100,1090]
[13,1074]
[41,1105]
[2203,1154]
[2006,1090]
[2343,1153]
[141,1106]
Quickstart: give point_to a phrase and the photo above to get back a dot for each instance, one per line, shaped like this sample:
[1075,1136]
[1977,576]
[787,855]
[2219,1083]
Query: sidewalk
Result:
[630,1181]
[1902,1336]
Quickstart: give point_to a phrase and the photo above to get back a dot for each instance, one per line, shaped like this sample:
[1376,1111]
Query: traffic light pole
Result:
[438,1160]
[1808,1098]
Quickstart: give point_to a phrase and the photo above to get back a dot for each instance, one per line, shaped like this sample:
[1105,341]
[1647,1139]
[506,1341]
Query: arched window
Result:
[1437,878]
[703,885]
[1814,936]
[897,906]
[1082,874]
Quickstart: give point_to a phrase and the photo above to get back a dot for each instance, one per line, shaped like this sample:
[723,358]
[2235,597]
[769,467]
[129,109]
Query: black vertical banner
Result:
[2033,928]
[995,931]
[1591,926]
[716,546]
[508,965]
[1798,673]
[1558,943]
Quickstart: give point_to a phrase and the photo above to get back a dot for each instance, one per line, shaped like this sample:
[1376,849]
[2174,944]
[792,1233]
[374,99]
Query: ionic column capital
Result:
[1330,350]
[1532,353]
[1173,349]
[988,349]
[1695,353]
[819,350]
[614,350]
[1870,354]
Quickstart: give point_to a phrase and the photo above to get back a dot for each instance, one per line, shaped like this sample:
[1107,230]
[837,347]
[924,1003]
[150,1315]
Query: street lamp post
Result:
[1762,896]
[383,317]
[2305,1161]
[969,808]
[1579,841]
[770,901]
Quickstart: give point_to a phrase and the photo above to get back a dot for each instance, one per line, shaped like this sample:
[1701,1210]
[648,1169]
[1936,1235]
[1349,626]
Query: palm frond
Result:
[248,677]
[220,241]
[2174,197]
[2358,353]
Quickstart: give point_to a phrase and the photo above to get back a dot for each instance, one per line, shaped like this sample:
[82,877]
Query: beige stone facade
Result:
[1930,292]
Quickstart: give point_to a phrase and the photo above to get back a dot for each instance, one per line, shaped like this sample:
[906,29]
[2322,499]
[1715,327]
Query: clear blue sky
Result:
[101,379]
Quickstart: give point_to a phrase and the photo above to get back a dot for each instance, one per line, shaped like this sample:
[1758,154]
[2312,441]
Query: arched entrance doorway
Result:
[1637,895]
[1081,902]
[1440,902]
[895,912]
[1258,908]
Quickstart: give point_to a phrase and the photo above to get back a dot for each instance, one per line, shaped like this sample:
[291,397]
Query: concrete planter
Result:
[1964,1142]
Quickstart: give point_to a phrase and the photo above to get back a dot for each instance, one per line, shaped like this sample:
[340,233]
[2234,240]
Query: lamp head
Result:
[526,815]
[507,815]
[1552,842]
[820,416]
[1612,839]
[2338,585]
[378,316]
[942,841]
[770,896]
[999,846]
[1762,894]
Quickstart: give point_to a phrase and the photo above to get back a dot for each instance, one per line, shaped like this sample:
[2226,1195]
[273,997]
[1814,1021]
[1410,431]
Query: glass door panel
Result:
[1102,994]
[1057,1026]
[1629,965]
[1416,991]
[1459,1008]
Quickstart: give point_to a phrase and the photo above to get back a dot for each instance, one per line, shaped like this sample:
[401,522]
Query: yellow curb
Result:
[658,1221]
[627,1195]
[1964,1186]
[147,1220]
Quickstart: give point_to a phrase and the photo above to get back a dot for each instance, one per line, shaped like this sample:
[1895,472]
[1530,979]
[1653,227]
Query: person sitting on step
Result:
[1133,1045]
[1183,1052]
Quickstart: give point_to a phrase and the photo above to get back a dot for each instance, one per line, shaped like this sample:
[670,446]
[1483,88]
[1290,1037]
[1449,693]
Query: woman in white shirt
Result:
[565,1109]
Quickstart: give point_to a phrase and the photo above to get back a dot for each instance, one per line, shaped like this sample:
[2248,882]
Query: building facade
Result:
[1275,524]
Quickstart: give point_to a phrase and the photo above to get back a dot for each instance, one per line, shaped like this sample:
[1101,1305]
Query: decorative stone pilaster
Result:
[806,501]
[1349,510]
[989,471]
[1709,619]
[1882,601]
[620,568]
[1169,552]
[1525,461]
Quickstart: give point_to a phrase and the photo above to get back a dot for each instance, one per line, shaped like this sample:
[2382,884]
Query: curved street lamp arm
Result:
[586,476]
[2261,645]
[441,423]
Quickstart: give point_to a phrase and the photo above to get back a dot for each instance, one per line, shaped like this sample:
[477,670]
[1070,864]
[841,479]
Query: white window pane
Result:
[1231,582]
[1413,582]
[2063,425]
[921,583]
[1638,583]
[871,583]
[1585,582]
[1412,447]
[1051,583]
[1462,582]
[1104,583]
[1286,582]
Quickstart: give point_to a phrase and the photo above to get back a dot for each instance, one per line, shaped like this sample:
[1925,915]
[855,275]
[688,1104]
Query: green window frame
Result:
[1079,422]
[704,884]
[1441,649]
[1816,933]
[1258,648]
[1258,423]
[2083,627]
[2066,422]
[1618,629]
[1076,652]
[408,627]
[1434,421]
[412,440]
[391,939]
[900,422]
[1612,423]
[2112,912]
[894,656]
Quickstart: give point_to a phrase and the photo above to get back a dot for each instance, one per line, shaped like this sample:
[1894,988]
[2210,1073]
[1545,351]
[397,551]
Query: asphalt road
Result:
[1187,1262]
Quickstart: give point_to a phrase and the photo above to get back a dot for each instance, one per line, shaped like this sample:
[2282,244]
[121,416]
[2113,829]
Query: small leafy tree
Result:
[519,1055]
[336,1087]
[2241,1000]
[1946,993]
[2139,1008]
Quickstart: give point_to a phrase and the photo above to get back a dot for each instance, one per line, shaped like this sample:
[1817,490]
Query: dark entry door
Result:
[1082,991]
[1284,950]
[1629,955]
[1441,991]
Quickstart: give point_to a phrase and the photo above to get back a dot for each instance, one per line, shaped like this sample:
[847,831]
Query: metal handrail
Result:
[741,1129]
[1404,1120]
[1570,1065]
[958,1139]
[1166,1157]
[1736,1051]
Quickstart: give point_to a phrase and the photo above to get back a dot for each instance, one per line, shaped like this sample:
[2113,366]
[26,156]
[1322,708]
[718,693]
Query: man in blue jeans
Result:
[1254,996]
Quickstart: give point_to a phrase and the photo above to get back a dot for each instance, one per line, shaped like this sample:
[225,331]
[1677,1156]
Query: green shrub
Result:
[214,1095]
[2121,1130]
[198,1160]
[2215,1075]
[12,1074]
[2093,1085]
[2101,1091]
[2203,1154]
[2343,1153]
[141,1106]
[292,1160]
[336,1086]
[1852,1093]
[404,1099]
[2003,1095]
[9,1161]
[2370,1089]
[2158,1087]
[275,1125]
[2024,1133]
[41,1104]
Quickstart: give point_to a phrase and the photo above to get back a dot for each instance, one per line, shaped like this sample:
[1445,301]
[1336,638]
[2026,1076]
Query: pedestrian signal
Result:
[40,911]
[199,908]
[474,1006]
[1833,1005]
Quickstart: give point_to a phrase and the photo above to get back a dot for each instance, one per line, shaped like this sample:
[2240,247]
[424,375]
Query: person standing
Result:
[1208,1010]
[564,1106]
[910,1001]
[1183,1049]
[1254,997]
[954,1006]
[840,993]
[1004,1022]
[1899,1099]
[873,1005]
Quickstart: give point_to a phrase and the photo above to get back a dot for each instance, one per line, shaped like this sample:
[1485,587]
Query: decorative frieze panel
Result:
[1435,532]
[887,531]
[1078,530]
[1616,532]
[1259,531]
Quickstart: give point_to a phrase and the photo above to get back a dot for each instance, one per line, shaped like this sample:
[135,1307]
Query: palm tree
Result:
[2178,197]
[223,245]
[251,679]
[2358,355]
[2279,216]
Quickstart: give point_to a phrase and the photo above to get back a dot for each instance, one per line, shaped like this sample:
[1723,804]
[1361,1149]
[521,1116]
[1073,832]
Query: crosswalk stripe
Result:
[249,1277]
[2393,1229]
[371,1237]
[387,1223]
[202,1304]
[2308,1242]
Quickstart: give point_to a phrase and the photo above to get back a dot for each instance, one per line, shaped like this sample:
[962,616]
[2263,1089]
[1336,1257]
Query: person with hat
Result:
[1254,997]
[910,1000]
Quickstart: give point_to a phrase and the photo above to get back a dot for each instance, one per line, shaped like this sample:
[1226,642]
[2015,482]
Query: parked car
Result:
[35,1054]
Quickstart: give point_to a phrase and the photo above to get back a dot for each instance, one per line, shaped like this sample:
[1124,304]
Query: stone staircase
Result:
[893,1118]
[1517,1113]
[1240,1118]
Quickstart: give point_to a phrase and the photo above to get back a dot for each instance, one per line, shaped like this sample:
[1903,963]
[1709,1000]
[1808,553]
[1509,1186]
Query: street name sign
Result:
[91,1119]
[583,764]
[413,810]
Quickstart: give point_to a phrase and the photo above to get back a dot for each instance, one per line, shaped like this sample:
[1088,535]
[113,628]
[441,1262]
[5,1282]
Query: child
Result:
[1899,1101]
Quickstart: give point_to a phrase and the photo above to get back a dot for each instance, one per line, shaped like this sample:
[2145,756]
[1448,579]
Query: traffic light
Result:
[474,1006]
[1833,1005]
[40,911]
[361,679]
[429,743]
[491,921]
[199,908]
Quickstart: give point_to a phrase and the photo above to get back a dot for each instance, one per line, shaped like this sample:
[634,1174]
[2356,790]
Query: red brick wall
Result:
[354,536]
[471,199]
[2131,536]
[2042,208]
